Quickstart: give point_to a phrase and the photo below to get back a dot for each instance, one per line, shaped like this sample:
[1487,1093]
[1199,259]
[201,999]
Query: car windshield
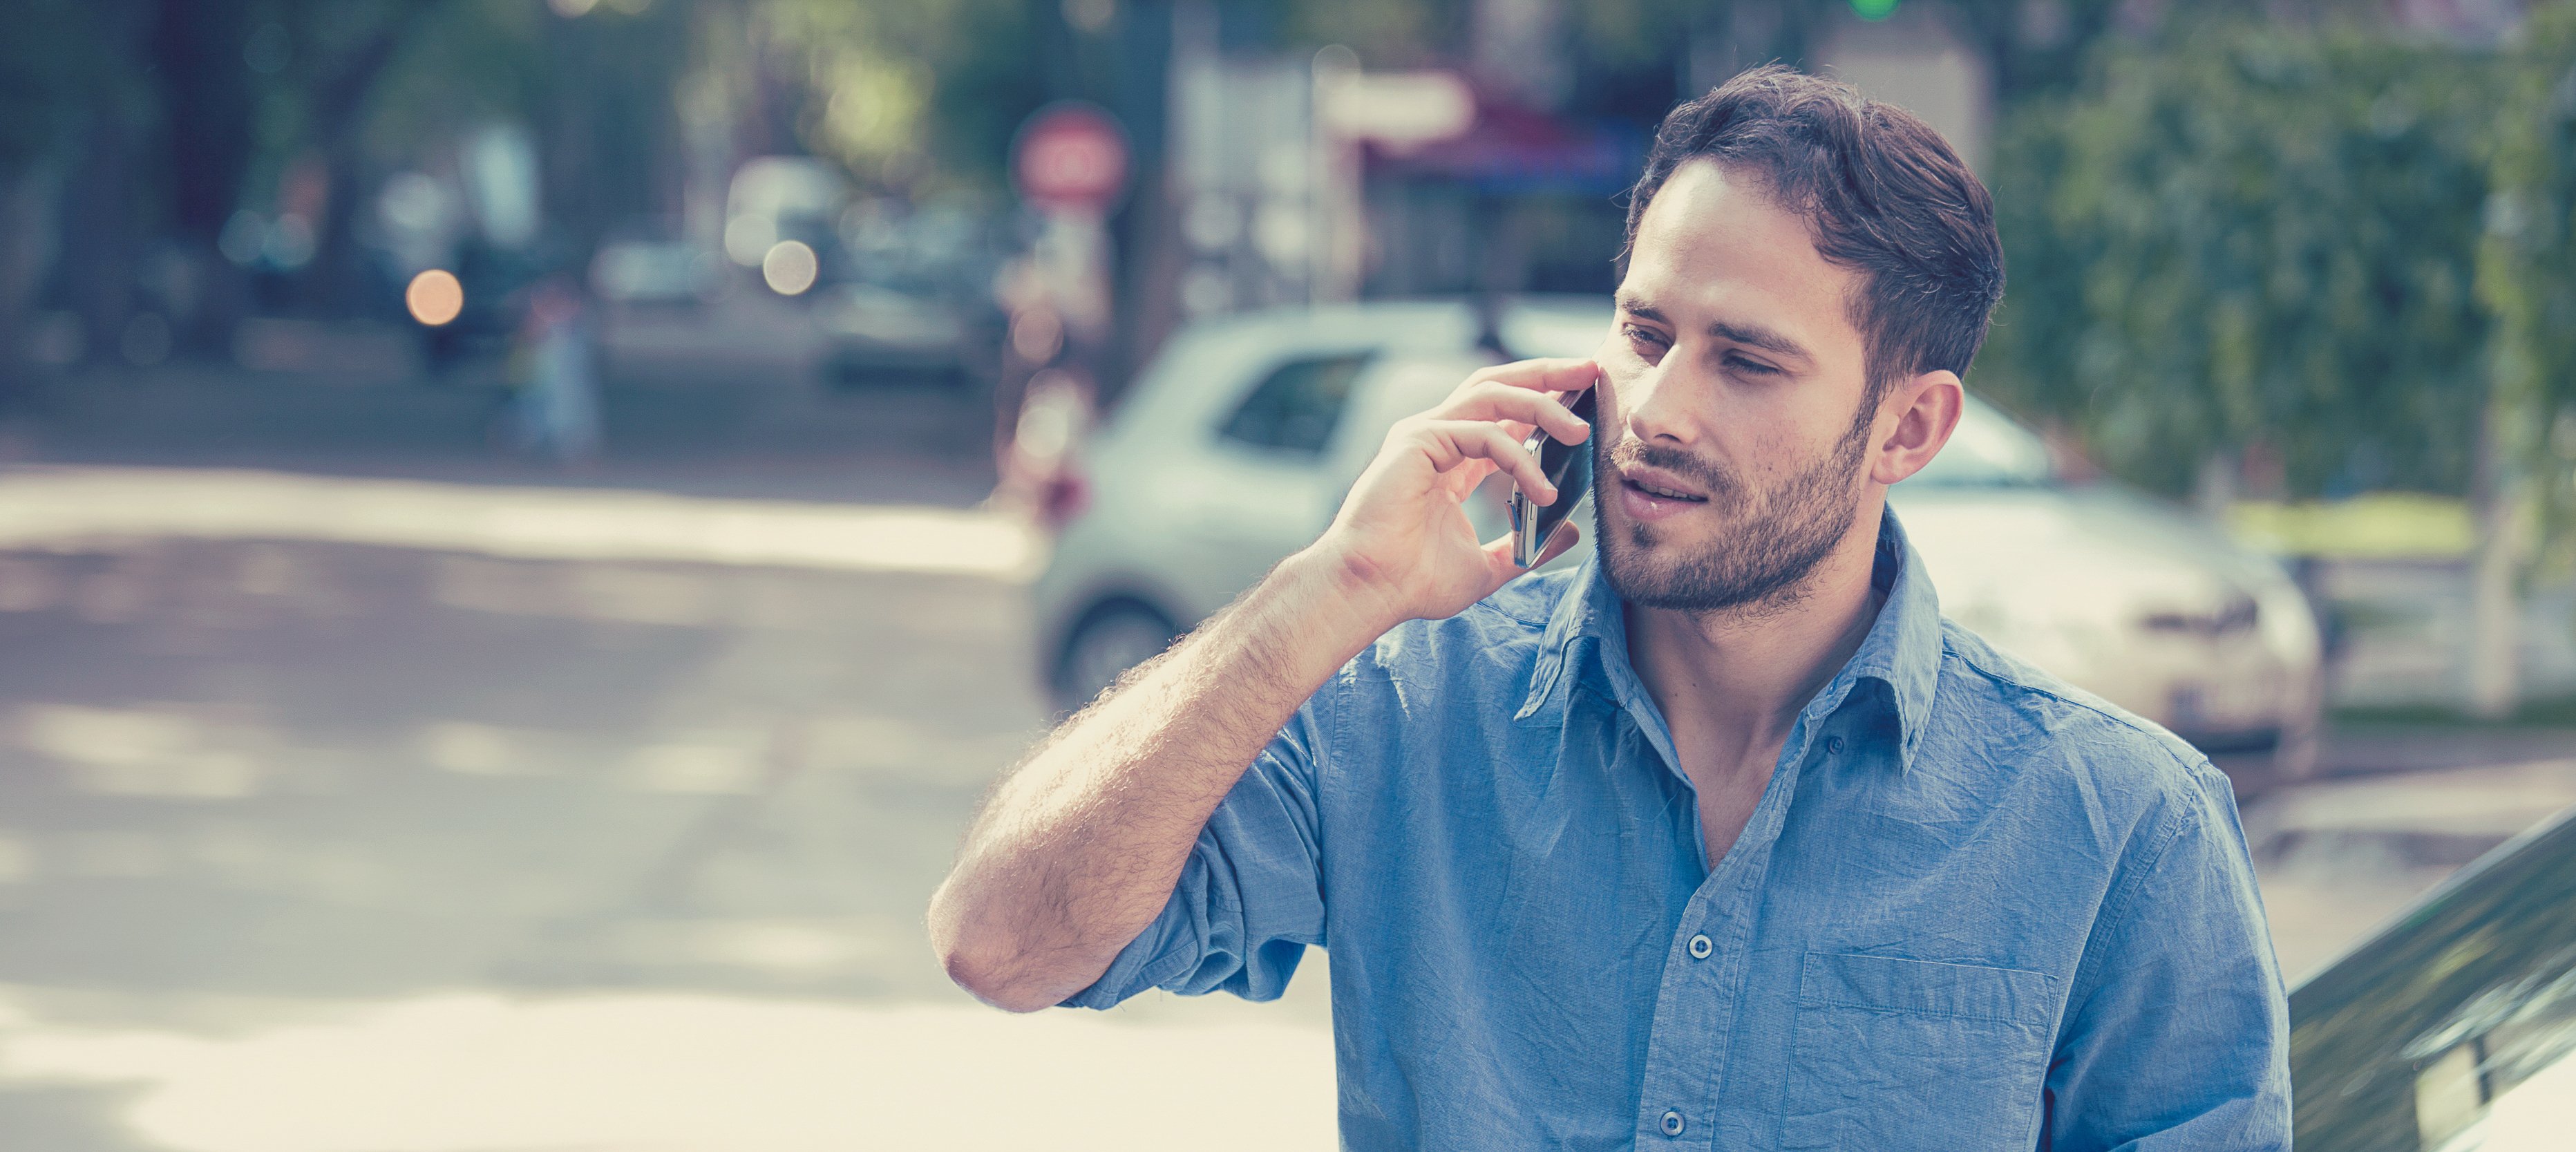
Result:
[1989,450]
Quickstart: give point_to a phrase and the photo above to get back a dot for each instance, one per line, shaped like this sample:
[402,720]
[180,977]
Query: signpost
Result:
[1070,157]
[1070,163]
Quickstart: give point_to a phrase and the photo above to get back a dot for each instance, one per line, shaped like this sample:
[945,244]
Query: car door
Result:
[2453,1030]
[1261,494]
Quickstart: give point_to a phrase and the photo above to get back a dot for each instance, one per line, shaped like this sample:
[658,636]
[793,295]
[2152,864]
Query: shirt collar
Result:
[1902,649]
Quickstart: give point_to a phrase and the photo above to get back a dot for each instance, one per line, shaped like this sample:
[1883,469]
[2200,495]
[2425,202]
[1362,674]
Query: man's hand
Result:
[1079,850]
[1402,544]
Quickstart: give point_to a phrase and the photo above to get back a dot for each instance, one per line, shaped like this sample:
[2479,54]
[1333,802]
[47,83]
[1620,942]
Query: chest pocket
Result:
[1892,1054]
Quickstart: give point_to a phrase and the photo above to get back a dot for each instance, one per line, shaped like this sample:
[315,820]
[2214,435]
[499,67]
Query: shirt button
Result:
[1700,946]
[1833,745]
[1672,1122]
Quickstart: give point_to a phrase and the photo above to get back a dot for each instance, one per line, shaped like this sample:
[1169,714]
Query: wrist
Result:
[1336,598]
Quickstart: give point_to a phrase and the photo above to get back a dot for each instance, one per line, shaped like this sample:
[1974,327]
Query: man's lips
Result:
[1659,484]
[1651,494]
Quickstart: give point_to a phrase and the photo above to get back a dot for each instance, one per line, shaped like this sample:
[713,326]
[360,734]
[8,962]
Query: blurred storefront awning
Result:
[1510,149]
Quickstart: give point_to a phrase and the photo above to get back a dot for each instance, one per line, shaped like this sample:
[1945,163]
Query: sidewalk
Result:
[682,429]
[65,504]
[2337,858]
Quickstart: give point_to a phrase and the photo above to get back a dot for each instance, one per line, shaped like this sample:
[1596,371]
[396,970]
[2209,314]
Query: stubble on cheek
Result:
[1763,541]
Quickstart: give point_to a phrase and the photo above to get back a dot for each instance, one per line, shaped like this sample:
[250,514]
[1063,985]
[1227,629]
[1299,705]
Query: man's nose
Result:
[1654,405]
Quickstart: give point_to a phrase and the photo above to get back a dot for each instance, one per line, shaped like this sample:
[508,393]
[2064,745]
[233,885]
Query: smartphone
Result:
[1569,467]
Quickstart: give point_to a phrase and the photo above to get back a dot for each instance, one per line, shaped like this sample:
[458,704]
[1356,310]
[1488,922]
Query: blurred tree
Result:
[40,73]
[926,92]
[206,69]
[348,44]
[2254,244]
[43,60]
[607,120]
[2527,281]
[109,184]
[2319,260]
[1391,34]
[2039,47]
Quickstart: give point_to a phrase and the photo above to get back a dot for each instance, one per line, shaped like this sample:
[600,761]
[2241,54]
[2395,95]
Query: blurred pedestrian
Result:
[1040,477]
[554,373]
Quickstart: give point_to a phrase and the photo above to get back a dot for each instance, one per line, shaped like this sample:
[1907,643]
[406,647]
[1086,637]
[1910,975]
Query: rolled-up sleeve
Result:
[2177,1032]
[1250,897]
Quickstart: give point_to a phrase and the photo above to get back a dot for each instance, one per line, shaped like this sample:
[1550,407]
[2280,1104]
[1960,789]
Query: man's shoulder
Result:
[1996,712]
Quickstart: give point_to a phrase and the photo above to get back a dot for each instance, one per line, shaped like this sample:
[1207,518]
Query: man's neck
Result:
[1731,683]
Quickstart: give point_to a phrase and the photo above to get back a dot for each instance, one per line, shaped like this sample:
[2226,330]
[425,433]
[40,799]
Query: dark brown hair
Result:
[1882,192]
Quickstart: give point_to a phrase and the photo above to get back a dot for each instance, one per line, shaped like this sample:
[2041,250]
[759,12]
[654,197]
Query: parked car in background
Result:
[873,330]
[911,295]
[647,270]
[1236,445]
[2453,1029]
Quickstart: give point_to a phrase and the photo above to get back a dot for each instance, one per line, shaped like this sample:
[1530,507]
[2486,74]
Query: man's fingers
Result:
[1494,400]
[1556,374]
[1450,443]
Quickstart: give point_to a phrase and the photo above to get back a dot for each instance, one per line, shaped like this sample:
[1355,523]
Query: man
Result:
[1726,840]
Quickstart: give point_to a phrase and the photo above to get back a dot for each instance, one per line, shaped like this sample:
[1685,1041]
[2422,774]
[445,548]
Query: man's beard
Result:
[1770,548]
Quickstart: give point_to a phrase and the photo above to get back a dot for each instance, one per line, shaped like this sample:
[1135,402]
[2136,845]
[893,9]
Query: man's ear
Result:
[1925,410]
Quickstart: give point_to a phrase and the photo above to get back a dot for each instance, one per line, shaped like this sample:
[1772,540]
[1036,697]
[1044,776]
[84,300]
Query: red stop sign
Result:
[1072,156]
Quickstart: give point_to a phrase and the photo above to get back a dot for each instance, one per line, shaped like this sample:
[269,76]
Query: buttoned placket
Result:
[1697,1002]
[1688,1046]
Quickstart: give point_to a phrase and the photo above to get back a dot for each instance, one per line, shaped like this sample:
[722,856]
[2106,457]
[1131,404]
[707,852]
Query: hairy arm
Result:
[1080,848]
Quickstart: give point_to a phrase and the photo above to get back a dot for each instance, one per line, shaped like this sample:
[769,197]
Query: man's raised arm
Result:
[1080,848]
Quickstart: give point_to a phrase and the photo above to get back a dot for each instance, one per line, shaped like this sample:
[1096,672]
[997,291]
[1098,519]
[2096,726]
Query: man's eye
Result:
[1642,336]
[1751,366]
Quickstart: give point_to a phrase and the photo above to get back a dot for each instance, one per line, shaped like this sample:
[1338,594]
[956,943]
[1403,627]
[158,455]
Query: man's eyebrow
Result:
[1757,336]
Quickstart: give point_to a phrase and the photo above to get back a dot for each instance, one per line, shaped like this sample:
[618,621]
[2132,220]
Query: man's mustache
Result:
[1716,481]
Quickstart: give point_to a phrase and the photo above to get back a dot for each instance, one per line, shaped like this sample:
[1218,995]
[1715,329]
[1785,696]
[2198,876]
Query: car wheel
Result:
[1111,639]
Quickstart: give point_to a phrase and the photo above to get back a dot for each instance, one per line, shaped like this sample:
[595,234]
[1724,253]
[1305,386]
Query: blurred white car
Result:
[1236,446]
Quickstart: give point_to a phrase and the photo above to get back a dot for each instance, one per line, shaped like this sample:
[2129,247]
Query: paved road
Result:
[311,844]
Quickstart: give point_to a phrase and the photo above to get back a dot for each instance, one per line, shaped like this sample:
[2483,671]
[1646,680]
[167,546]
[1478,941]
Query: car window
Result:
[2455,1029]
[1987,450]
[1296,407]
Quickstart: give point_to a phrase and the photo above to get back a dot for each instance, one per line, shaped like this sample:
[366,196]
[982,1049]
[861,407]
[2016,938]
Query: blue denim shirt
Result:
[1975,907]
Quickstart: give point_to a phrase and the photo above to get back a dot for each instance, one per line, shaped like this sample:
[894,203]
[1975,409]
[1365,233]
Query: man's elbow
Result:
[993,966]
[995,976]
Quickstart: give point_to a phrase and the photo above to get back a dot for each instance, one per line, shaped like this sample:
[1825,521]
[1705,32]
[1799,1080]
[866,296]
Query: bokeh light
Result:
[435,297]
[789,268]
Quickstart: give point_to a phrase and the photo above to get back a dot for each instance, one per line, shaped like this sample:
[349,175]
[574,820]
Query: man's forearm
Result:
[1080,848]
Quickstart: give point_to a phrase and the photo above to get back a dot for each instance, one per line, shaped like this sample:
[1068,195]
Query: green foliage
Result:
[47,49]
[2254,239]
[901,90]
[477,61]
[1387,33]
[2528,266]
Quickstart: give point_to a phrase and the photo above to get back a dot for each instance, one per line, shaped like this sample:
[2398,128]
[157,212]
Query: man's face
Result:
[1732,438]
